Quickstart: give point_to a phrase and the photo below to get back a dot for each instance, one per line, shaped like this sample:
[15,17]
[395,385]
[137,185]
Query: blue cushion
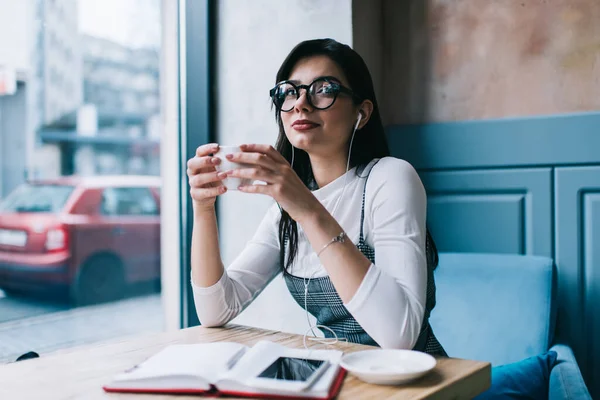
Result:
[526,379]
[566,382]
[494,307]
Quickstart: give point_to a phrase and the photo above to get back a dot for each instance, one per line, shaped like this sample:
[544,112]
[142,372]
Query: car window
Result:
[30,198]
[128,201]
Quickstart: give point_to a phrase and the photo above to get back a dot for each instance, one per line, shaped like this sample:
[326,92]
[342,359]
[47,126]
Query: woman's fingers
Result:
[205,187]
[207,149]
[198,163]
[205,181]
[200,180]
[258,159]
[265,149]
[260,189]
[259,174]
[202,194]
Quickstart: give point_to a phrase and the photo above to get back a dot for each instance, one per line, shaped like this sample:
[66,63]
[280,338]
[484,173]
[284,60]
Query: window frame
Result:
[197,119]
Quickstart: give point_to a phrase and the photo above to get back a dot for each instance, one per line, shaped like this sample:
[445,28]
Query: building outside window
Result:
[80,248]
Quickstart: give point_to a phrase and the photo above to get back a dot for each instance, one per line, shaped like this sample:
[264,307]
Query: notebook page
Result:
[206,361]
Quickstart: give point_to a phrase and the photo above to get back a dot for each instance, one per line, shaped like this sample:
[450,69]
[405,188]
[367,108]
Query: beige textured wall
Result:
[254,36]
[446,60]
[513,58]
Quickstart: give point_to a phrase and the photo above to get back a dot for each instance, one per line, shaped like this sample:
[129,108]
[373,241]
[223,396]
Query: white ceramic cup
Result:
[225,165]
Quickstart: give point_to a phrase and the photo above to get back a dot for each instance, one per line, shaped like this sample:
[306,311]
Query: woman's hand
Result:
[205,182]
[264,163]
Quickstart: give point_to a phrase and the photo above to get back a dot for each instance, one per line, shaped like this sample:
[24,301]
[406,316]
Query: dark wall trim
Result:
[556,140]
[197,54]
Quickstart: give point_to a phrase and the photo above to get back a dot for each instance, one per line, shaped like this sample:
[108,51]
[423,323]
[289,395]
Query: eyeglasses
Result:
[320,94]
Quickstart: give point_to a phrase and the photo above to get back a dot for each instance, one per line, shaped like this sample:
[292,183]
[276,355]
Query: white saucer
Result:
[388,367]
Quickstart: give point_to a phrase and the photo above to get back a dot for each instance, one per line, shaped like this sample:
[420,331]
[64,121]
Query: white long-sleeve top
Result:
[390,302]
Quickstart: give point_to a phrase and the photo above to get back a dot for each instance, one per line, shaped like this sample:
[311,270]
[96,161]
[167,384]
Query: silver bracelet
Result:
[341,238]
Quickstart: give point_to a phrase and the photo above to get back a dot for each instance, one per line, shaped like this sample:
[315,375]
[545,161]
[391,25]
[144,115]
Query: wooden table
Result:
[80,373]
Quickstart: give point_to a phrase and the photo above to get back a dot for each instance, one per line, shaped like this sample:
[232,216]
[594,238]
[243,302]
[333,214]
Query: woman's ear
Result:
[366,109]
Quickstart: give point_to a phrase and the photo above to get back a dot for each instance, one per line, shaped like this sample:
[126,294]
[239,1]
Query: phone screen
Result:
[291,369]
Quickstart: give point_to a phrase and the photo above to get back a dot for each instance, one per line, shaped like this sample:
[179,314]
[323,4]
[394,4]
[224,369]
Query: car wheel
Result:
[100,280]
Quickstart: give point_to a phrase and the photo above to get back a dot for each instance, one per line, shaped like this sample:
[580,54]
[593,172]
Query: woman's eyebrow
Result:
[297,82]
[333,78]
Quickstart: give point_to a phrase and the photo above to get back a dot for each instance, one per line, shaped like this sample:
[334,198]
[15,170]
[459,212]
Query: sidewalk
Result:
[79,326]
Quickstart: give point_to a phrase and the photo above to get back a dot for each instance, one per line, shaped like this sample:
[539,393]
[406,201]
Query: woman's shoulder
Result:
[393,190]
[396,180]
[389,169]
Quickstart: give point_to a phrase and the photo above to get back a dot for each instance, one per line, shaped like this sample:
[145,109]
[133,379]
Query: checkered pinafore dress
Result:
[324,303]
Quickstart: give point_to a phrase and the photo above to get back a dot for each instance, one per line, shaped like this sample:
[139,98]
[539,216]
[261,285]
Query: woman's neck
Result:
[327,169]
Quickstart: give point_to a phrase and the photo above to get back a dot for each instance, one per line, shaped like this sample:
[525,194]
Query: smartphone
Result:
[301,372]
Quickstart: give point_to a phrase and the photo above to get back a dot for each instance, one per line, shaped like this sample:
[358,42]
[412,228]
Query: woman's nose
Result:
[302,103]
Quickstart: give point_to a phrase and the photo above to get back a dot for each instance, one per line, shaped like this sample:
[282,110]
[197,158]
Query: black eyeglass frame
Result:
[337,86]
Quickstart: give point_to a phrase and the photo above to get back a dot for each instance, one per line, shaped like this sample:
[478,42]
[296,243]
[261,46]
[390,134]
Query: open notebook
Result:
[264,370]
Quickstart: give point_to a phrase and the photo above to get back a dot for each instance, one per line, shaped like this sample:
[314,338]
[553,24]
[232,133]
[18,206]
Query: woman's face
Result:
[313,130]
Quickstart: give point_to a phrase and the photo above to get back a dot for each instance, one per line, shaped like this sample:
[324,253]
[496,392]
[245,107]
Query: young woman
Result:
[348,225]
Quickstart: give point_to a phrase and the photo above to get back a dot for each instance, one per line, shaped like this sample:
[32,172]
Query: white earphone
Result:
[315,338]
[358,121]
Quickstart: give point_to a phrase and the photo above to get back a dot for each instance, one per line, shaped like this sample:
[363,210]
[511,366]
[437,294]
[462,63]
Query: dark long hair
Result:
[369,143]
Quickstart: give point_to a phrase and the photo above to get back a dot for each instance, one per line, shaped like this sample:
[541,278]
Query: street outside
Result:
[28,324]
[79,169]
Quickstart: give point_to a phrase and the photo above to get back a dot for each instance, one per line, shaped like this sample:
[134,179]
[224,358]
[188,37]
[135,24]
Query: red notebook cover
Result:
[333,391]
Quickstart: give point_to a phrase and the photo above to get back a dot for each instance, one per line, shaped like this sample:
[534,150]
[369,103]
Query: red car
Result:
[87,237]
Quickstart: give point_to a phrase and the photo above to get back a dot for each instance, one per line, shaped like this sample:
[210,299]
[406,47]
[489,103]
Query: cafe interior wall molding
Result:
[521,186]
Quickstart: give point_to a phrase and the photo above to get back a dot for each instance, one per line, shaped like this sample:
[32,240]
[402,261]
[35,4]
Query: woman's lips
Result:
[304,125]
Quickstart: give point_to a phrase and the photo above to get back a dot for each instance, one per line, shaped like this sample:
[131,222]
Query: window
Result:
[50,220]
[35,198]
[128,201]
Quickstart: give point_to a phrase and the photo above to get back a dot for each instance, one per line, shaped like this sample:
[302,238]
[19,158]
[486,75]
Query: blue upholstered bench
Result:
[501,308]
